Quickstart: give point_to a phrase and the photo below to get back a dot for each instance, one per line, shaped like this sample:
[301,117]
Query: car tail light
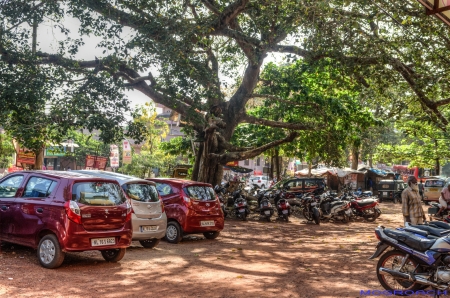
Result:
[73,211]
[129,211]
[162,205]
[187,201]
[259,181]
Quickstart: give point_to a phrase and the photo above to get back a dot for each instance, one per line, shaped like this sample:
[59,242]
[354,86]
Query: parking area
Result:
[249,259]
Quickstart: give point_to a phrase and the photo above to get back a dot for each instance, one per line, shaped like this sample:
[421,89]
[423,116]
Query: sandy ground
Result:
[249,259]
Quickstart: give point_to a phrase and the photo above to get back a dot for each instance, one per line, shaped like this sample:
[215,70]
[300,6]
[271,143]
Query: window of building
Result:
[258,161]
[246,162]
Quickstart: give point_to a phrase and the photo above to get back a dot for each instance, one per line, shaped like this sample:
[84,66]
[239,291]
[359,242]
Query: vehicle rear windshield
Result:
[98,193]
[434,183]
[141,192]
[200,193]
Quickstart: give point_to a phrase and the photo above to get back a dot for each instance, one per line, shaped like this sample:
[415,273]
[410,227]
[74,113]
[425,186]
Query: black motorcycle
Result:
[265,208]
[220,191]
[240,205]
[282,205]
[309,205]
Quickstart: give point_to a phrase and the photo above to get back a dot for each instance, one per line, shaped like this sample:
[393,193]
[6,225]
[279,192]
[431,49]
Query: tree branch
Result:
[294,126]
[232,156]
[278,99]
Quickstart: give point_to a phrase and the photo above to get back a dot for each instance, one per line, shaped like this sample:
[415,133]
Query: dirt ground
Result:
[249,259]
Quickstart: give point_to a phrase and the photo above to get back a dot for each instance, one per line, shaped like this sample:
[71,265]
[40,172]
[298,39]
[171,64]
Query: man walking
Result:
[412,204]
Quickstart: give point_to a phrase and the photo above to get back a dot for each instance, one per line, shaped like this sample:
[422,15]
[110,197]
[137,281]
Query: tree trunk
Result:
[271,167]
[371,160]
[210,171]
[39,161]
[309,168]
[278,165]
[198,158]
[355,158]
[438,167]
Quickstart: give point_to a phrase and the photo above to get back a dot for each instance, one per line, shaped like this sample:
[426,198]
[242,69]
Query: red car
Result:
[191,207]
[58,212]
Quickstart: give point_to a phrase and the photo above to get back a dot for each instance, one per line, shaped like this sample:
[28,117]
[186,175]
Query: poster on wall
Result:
[114,156]
[94,162]
[126,156]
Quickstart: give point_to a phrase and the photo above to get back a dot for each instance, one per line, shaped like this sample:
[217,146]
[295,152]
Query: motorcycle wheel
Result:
[393,260]
[371,214]
[316,216]
[308,214]
[286,217]
[345,218]
[268,218]
[378,210]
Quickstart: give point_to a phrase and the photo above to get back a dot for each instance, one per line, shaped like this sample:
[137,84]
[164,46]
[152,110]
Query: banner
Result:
[114,156]
[126,156]
[25,158]
[94,162]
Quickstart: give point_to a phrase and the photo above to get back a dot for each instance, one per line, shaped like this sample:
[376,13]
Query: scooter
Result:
[283,206]
[434,209]
[265,208]
[220,190]
[240,205]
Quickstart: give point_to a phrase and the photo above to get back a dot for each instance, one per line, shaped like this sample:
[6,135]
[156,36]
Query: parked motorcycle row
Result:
[314,206]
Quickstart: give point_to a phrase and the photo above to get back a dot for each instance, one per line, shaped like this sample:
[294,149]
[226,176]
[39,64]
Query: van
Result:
[432,189]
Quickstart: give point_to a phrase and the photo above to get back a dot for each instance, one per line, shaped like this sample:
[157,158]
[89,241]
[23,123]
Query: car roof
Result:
[121,178]
[58,174]
[181,182]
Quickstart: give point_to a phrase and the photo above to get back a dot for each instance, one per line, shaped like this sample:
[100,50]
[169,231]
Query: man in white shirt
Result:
[444,199]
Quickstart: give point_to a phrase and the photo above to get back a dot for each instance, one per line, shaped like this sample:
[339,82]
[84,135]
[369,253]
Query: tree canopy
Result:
[183,54]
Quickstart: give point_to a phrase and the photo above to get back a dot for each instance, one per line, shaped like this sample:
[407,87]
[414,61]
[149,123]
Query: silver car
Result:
[148,219]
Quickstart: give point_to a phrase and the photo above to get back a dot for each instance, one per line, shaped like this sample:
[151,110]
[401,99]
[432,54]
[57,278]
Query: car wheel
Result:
[173,232]
[49,252]
[113,255]
[211,235]
[149,243]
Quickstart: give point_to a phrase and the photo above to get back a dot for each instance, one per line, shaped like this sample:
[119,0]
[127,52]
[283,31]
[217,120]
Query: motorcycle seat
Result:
[440,224]
[414,242]
[336,203]
[431,230]
[367,193]
[365,202]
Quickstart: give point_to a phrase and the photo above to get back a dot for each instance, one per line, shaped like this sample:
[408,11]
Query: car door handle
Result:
[39,210]
[4,208]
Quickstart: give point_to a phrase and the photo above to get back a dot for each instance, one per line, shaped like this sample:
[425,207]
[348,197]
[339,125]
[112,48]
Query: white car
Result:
[261,181]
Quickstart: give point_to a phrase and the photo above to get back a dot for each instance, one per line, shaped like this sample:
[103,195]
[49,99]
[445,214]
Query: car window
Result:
[434,183]
[164,189]
[9,187]
[38,187]
[200,193]
[98,193]
[141,192]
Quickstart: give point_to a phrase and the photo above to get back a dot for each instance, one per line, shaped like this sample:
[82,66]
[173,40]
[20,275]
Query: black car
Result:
[299,186]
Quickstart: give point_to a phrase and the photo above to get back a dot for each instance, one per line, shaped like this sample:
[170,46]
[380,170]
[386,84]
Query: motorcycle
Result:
[220,190]
[240,205]
[359,193]
[331,209]
[265,208]
[282,205]
[365,208]
[434,209]
[310,210]
[415,262]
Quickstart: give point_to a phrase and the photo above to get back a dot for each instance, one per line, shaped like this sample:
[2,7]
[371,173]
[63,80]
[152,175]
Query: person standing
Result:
[444,199]
[412,204]
[369,183]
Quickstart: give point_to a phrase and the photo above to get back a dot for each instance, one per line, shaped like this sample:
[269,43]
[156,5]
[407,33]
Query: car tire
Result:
[174,234]
[49,252]
[149,243]
[113,255]
[211,235]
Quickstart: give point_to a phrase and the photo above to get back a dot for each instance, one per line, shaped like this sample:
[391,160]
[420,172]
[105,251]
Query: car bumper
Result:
[160,223]
[194,224]
[77,238]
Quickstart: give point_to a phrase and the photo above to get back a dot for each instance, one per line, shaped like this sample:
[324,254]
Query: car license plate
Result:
[433,189]
[207,223]
[242,210]
[385,194]
[267,212]
[285,211]
[103,241]
[149,228]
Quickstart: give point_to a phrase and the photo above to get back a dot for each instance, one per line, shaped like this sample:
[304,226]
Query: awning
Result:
[257,172]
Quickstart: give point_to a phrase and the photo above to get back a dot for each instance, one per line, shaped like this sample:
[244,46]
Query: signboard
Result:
[26,158]
[55,151]
[233,163]
[114,156]
[126,156]
[95,162]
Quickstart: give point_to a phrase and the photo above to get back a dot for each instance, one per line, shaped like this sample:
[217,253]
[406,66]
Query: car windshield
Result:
[141,192]
[434,183]
[280,183]
[200,193]
[98,193]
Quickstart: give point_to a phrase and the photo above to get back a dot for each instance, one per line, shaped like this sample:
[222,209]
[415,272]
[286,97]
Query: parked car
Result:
[148,218]
[391,190]
[261,181]
[58,212]
[191,207]
[432,189]
[296,187]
